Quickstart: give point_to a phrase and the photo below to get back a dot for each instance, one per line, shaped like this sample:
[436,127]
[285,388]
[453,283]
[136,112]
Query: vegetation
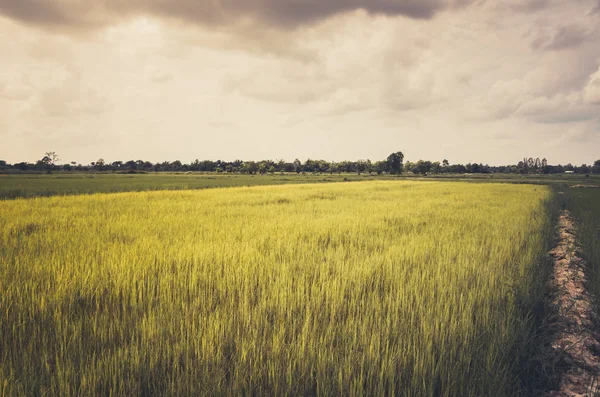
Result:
[23,185]
[584,203]
[33,185]
[394,164]
[375,288]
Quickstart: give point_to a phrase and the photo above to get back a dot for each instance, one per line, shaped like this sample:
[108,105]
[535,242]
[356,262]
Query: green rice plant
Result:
[368,288]
[584,204]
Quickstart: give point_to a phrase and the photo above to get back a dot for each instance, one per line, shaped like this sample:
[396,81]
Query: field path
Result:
[575,340]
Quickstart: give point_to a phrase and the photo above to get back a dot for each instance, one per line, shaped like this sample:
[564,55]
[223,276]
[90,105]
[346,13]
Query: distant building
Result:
[569,172]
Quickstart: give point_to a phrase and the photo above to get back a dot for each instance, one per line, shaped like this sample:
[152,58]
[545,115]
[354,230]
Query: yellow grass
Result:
[405,288]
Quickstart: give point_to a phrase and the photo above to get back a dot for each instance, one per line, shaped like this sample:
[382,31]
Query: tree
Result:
[361,166]
[421,167]
[297,165]
[395,163]
[51,158]
[49,161]
[596,167]
[100,164]
[379,167]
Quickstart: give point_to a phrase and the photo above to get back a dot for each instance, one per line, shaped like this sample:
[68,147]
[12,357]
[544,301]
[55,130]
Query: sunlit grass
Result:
[398,288]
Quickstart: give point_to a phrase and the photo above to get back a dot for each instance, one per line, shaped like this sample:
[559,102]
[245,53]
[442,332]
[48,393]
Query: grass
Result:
[375,288]
[584,204]
[35,185]
[14,186]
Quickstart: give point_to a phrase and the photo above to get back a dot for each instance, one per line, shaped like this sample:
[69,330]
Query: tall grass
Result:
[585,206]
[13,186]
[397,288]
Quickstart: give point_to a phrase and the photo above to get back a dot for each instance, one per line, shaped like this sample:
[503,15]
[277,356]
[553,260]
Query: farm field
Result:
[378,287]
[584,203]
[14,186]
[33,185]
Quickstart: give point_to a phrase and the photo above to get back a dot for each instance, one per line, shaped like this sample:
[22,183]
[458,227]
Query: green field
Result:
[64,183]
[381,287]
[34,185]
[584,203]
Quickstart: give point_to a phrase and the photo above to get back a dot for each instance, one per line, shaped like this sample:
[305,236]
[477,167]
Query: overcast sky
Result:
[487,81]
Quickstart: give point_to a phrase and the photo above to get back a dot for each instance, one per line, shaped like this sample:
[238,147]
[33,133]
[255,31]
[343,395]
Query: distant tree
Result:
[445,163]
[175,165]
[249,167]
[395,163]
[100,163]
[457,169]
[422,167]
[596,167]
[117,164]
[361,166]
[262,168]
[379,167]
[3,165]
[51,158]
[584,169]
[48,161]
[297,165]
[22,166]
[569,167]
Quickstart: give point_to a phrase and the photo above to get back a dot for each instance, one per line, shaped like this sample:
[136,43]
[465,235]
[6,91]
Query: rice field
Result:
[366,288]
[584,203]
[14,186]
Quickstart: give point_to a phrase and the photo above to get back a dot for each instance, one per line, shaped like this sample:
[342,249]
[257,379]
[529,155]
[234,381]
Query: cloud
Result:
[15,92]
[592,90]
[525,5]
[281,13]
[562,38]
[595,9]
[156,75]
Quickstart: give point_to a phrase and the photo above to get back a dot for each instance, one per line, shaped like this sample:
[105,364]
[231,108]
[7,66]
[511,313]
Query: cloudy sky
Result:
[487,81]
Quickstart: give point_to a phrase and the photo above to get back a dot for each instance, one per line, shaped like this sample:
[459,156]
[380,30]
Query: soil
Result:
[573,323]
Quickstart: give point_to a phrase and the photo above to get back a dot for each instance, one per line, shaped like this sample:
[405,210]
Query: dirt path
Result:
[575,340]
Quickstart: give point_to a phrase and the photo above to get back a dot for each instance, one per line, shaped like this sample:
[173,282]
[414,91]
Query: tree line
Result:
[393,164]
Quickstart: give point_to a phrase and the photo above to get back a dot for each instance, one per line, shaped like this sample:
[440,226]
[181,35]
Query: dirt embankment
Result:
[573,325]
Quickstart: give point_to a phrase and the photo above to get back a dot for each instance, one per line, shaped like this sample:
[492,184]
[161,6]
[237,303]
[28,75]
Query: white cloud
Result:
[592,90]
[352,85]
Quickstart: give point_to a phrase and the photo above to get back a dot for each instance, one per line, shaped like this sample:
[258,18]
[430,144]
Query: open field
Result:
[63,183]
[34,185]
[381,287]
[584,203]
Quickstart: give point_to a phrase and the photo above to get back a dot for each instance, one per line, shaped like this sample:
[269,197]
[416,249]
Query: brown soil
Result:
[573,324]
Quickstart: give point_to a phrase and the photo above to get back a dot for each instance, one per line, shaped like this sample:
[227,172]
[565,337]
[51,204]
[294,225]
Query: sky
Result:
[488,81]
